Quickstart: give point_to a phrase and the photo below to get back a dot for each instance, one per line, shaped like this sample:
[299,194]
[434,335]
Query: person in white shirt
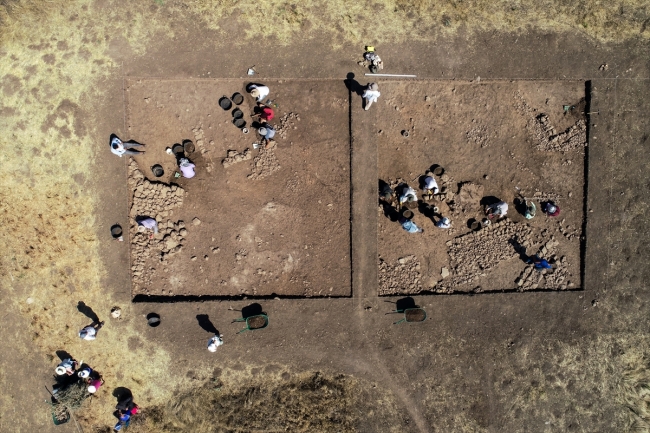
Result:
[408,194]
[215,342]
[90,332]
[258,91]
[443,223]
[497,210]
[370,95]
[187,168]
[119,148]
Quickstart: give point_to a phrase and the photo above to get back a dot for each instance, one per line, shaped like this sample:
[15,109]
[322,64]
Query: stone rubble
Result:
[548,140]
[474,254]
[555,279]
[478,135]
[287,122]
[402,277]
[234,157]
[264,164]
[154,199]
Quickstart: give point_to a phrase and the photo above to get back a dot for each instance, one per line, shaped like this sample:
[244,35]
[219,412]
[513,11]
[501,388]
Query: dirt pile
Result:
[402,277]
[264,164]
[478,135]
[234,157]
[155,200]
[473,255]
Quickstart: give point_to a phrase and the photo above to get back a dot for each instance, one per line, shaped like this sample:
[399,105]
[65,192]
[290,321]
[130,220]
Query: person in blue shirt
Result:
[410,226]
[539,263]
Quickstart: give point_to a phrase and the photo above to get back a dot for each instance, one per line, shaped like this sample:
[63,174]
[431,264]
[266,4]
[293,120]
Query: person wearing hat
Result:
[551,209]
[187,168]
[409,225]
[408,195]
[443,223]
[386,193]
[67,366]
[370,95]
[215,342]
[258,91]
[497,210]
[94,384]
[430,186]
[267,132]
[147,223]
[119,148]
[90,332]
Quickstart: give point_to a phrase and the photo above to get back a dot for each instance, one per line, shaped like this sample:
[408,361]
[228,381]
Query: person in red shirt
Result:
[266,113]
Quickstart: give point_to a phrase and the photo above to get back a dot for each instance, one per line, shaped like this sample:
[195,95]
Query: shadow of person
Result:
[87,311]
[251,310]
[353,85]
[122,394]
[63,354]
[489,200]
[206,324]
[519,249]
[404,303]
[520,206]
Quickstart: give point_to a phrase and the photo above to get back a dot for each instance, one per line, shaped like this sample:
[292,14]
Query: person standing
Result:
[119,148]
[370,95]
[215,342]
[90,332]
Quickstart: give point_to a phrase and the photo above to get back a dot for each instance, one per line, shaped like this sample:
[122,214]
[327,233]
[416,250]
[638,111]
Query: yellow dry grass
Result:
[403,20]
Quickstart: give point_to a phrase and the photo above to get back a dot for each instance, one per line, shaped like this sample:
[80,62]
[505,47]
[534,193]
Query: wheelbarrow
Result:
[411,315]
[253,323]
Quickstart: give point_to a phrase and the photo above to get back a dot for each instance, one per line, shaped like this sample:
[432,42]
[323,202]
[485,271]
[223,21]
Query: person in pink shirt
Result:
[187,168]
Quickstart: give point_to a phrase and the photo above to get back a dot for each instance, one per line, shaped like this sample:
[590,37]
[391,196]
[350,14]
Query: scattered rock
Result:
[444,273]
[196,221]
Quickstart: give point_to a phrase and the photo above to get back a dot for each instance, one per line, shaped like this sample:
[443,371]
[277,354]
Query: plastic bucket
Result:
[225,103]
[239,122]
[237,98]
[237,113]
[188,146]
[116,231]
[178,149]
[157,170]
[153,319]
[438,171]
[407,214]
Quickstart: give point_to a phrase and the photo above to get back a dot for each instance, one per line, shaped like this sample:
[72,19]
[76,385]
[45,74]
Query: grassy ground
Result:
[52,56]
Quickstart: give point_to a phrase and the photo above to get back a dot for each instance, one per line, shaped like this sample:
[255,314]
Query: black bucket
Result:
[157,170]
[225,103]
[188,146]
[237,113]
[237,98]
[178,149]
[116,231]
[153,319]
[475,225]
[239,122]
[438,171]
[407,214]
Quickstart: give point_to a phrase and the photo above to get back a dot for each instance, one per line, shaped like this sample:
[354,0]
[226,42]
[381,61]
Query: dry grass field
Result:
[56,58]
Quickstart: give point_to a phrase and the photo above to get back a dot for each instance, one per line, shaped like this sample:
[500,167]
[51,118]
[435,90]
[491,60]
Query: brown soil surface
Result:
[494,139]
[256,322]
[251,222]
[415,315]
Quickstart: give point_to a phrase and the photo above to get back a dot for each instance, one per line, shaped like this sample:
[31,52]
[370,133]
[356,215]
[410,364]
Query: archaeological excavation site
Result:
[273,221]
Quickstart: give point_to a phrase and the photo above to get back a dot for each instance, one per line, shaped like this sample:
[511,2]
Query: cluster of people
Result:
[263,113]
[405,198]
[78,371]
